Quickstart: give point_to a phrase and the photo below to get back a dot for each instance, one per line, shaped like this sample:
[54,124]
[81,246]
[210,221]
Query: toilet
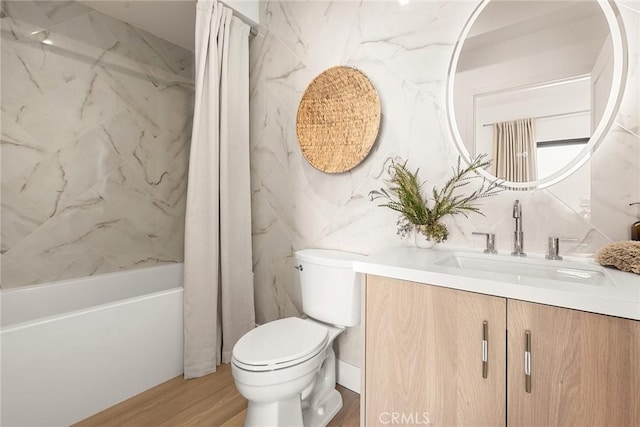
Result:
[286,368]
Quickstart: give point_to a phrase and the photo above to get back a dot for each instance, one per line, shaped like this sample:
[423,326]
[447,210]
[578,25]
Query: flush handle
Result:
[485,349]
[527,362]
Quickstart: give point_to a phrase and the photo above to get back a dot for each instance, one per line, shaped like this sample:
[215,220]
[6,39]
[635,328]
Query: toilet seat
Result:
[279,344]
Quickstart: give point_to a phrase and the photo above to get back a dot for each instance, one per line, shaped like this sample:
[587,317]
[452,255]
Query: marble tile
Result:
[160,157]
[59,11]
[130,197]
[545,216]
[125,246]
[59,242]
[277,293]
[256,60]
[171,238]
[372,231]
[56,182]
[293,207]
[65,51]
[13,275]
[137,94]
[19,151]
[280,70]
[96,124]
[19,84]
[64,114]
[319,33]
[262,218]
[417,39]
[576,190]
[21,18]
[19,218]
[413,125]
[87,265]
[615,183]
[158,60]
[276,131]
[175,108]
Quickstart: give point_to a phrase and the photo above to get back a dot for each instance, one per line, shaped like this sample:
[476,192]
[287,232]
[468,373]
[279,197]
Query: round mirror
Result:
[536,85]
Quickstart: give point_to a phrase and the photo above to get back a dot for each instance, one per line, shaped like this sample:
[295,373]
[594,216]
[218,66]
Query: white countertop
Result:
[620,297]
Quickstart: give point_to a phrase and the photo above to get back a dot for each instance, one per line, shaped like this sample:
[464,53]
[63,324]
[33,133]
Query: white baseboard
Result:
[348,375]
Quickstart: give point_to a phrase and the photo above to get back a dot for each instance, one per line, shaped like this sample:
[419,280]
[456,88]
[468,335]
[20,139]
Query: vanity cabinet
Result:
[585,367]
[423,356]
[423,361]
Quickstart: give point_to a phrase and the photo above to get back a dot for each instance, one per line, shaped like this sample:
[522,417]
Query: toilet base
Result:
[281,413]
[325,411]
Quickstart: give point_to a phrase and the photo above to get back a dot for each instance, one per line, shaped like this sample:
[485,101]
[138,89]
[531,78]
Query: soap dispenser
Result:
[635,227]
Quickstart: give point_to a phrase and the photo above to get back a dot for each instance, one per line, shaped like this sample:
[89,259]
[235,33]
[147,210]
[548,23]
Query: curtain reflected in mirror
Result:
[514,150]
[547,115]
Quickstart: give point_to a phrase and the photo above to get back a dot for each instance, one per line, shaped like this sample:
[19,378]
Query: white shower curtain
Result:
[514,150]
[218,278]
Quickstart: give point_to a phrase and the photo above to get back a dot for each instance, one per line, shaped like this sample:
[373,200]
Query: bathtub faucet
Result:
[518,235]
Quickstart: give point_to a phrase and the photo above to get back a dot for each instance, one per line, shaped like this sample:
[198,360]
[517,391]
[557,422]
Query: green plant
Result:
[405,195]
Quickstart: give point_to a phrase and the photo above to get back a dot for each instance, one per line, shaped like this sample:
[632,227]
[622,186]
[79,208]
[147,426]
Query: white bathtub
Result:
[73,348]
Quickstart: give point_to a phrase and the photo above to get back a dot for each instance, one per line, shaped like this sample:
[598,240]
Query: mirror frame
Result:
[619,78]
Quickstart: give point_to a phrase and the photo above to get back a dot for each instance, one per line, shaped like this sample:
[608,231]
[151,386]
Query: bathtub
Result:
[72,348]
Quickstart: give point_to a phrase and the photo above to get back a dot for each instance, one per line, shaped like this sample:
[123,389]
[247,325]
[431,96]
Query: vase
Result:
[433,231]
[422,241]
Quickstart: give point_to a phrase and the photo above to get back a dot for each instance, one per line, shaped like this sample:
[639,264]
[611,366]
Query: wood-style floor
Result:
[208,401]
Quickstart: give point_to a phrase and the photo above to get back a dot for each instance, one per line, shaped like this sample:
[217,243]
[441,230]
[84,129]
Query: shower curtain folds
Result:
[218,277]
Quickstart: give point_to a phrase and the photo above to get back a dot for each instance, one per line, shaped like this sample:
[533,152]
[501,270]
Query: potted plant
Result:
[422,214]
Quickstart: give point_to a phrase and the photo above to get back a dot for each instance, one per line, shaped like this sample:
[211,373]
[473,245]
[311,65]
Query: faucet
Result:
[554,247]
[490,247]
[518,235]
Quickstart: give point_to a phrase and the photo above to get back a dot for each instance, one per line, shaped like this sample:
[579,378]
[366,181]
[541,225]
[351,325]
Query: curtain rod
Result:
[547,116]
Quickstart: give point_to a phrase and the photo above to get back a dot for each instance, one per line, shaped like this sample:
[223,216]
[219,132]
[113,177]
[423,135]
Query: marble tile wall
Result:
[96,123]
[405,51]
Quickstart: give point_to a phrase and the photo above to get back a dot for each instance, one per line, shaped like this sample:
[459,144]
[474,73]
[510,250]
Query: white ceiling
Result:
[172,20]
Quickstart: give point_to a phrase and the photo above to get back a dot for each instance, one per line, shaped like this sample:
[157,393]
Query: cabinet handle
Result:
[527,362]
[485,349]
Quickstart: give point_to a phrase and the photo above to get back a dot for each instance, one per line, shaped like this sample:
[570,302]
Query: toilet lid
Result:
[280,343]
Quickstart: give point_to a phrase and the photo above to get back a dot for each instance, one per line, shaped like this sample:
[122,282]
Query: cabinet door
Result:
[423,356]
[585,368]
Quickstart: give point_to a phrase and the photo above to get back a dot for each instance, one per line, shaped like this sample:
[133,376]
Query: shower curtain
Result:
[514,150]
[218,277]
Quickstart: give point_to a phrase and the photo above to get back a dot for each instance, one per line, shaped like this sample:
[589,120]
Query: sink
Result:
[531,268]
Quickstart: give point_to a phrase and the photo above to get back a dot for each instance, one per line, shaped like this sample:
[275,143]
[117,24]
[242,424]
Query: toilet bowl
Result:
[286,368]
[278,385]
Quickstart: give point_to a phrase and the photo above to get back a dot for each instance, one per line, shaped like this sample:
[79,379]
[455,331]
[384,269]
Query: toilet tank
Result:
[330,288]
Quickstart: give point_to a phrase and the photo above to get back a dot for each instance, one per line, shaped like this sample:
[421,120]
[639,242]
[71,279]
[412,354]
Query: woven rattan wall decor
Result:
[338,119]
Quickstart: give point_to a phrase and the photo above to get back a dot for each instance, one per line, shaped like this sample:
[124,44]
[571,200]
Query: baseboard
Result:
[348,375]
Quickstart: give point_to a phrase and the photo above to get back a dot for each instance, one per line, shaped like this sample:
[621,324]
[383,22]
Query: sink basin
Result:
[531,268]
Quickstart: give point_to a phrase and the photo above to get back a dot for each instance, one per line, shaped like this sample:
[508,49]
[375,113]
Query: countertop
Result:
[619,297]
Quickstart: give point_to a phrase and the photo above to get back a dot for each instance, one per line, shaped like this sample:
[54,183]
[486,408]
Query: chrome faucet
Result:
[490,247]
[518,235]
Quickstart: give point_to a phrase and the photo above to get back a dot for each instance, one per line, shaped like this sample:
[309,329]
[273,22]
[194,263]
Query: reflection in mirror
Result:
[532,83]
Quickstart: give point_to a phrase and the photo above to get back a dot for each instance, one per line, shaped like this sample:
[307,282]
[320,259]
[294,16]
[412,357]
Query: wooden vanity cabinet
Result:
[584,368]
[423,356]
[423,361]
